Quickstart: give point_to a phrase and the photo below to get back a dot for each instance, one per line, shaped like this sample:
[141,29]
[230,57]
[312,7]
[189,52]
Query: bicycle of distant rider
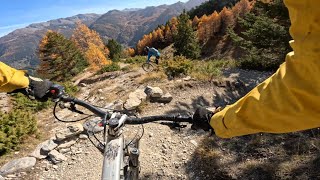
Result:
[150,66]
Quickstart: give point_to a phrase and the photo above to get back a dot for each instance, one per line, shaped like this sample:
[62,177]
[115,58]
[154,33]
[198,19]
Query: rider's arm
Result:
[290,99]
[11,79]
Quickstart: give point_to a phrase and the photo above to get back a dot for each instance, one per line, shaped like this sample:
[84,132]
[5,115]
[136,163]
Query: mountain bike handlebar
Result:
[130,120]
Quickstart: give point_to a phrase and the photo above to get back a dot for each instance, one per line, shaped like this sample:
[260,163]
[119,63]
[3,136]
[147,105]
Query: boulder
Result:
[43,149]
[153,92]
[56,157]
[166,98]
[139,93]
[70,131]
[18,165]
[132,103]
[66,145]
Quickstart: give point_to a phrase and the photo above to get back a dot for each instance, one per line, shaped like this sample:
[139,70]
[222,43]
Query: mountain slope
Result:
[128,27]
[19,47]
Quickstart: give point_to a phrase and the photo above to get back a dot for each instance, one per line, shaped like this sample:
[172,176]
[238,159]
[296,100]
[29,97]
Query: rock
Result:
[165,98]
[83,85]
[11,176]
[18,165]
[43,149]
[55,167]
[164,146]
[83,136]
[132,103]
[100,91]
[70,131]
[118,105]
[66,145]
[92,125]
[139,93]
[188,78]
[56,157]
[153,92]
[63,151]
[194,142]
[1,178]
[49,146]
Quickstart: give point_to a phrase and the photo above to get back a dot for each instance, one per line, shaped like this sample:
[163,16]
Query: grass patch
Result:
[109,68]
[159,76]
[207,70]
[131,67]
[136,60]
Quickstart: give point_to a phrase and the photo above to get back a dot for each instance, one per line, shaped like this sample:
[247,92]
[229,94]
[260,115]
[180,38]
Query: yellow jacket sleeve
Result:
[11,79]
[290,99]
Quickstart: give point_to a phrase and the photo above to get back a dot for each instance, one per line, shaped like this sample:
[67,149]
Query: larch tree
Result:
[87,39]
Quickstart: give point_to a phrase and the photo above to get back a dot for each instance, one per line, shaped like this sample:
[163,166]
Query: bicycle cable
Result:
[136,136]
[55,115]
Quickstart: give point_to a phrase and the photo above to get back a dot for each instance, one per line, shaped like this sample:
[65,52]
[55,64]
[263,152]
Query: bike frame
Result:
[113,164]
[120,160]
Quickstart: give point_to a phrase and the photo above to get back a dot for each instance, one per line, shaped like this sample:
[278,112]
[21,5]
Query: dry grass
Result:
[131,68]
[158,76]
[260,156]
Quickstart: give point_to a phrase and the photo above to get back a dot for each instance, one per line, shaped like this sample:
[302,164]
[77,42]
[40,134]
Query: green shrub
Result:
[23,103]
[207,70]
[109,68]
[70,88]
[136,60]
[177,66]
[14,126]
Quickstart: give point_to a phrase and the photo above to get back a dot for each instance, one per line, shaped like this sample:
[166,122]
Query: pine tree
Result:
[60,59]
[265,36]
[115,49]
[185,41]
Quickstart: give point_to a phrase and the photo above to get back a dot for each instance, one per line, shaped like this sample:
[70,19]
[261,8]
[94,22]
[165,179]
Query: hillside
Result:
[18,48]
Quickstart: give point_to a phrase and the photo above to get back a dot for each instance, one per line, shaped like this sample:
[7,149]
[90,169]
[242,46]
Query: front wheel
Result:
[148,67]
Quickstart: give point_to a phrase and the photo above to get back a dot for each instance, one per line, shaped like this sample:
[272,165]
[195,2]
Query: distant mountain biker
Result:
[287,101]
[152,52]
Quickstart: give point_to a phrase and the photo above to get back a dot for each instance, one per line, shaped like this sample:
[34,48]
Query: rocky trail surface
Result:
[166,152]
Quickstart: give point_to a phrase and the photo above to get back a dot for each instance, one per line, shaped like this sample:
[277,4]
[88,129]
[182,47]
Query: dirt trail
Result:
[165,153]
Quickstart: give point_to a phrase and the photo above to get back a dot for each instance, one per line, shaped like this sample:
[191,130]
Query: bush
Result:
[23,103]
[136,60]
[207,70]
[70,88]
[109,68]
[14,126]
[177,66]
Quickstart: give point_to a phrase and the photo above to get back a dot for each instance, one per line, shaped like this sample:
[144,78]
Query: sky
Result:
[16,14]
